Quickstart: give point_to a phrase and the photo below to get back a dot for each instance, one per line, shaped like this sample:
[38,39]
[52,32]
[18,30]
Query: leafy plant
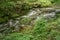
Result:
[57,37]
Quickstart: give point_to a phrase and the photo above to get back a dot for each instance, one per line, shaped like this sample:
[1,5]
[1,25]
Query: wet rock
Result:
[49,16]
[57,10]
[33,12]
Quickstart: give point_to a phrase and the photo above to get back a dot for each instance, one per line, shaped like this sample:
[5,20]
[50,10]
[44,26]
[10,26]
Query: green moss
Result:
[39,2]
[5,19]
[25,20]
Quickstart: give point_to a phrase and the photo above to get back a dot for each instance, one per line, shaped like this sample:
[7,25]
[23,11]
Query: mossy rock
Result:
[25,21]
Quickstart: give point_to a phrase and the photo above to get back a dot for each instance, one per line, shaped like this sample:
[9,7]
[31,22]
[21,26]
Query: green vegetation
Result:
[57,1]
[25,21]
[42,29]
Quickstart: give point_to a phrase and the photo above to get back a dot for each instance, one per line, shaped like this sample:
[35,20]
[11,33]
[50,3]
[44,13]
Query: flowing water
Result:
[33,14]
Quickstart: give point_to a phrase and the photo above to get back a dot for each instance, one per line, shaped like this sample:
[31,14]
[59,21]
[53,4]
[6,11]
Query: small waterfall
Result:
[50,14]
[33,14]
